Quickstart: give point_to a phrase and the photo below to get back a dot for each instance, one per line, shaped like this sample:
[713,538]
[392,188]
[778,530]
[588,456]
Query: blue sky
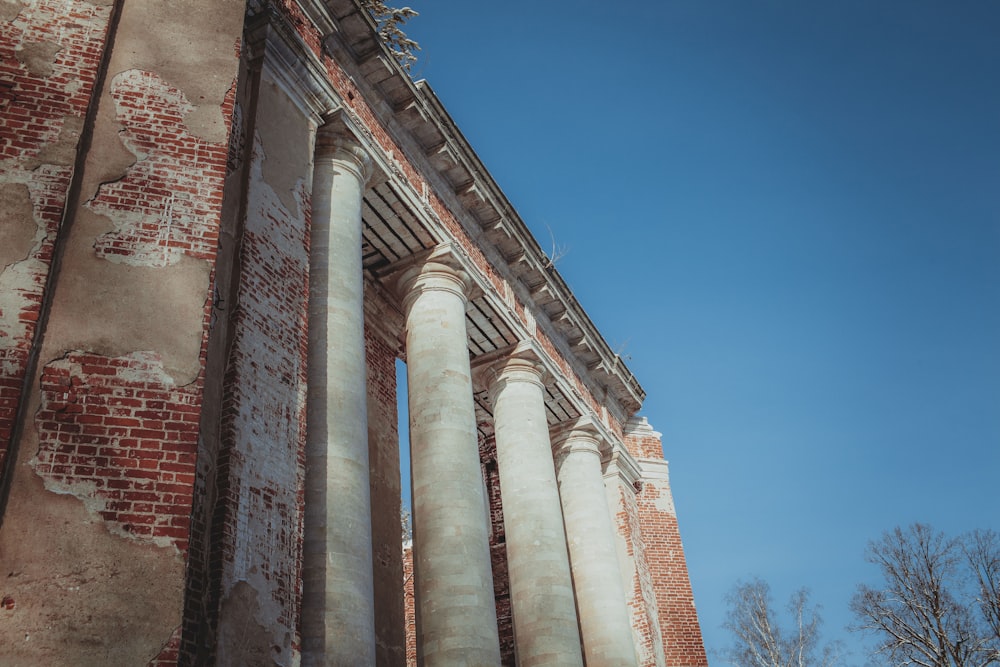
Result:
[787,217]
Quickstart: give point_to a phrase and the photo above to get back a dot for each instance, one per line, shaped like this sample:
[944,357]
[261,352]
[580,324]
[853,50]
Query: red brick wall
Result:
[381,351]
[664,552]
[682,641]
[640,590]
[49,59]
[409,606]
[498,549]
[118,433]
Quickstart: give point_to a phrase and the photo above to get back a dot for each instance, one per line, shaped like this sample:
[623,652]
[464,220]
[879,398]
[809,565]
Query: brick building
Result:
[222,224]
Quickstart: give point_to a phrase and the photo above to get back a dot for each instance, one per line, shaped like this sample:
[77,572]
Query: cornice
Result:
[273,43]
[620,464]
[639,426]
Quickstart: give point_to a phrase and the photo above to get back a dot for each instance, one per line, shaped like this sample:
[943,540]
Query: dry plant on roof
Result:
[390,21]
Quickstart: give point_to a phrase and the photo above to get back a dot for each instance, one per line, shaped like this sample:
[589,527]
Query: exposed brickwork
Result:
[161,206]
[498,550]
[264,419]
[641,592]
[409,606]
[381,351]
[682,641]
[203,587]
[644,444]
[49,58]
[170,653]
[117,433]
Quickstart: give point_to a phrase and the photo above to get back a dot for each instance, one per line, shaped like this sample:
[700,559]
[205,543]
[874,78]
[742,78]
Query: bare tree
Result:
[938,604]
[759,640]
[982,548]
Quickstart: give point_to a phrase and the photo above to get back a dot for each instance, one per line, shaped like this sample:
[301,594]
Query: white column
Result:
[541,588]
[338,618]
[600,595]
[455,608]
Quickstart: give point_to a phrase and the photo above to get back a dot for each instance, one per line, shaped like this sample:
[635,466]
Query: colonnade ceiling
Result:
[391,233]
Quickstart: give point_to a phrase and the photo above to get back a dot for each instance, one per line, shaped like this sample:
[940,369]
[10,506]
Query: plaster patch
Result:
[284,146]
[75,586]
[662,499]
[18,284]
[18,227]
[38,57]
[9,9]
[114,309]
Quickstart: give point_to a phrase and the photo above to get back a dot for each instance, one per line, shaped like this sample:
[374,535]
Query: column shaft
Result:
[541,589]
[338,619]
[600,595]
[455,608]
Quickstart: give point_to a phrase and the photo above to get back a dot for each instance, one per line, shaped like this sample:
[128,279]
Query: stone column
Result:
[541,588]
[455,608]
[338,618]
[600,595]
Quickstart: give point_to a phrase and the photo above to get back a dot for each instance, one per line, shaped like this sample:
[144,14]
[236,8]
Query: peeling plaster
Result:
[663,500]
[147,370]
[63,150]
[78,604]
[152,32]
[268,421]
[163,206]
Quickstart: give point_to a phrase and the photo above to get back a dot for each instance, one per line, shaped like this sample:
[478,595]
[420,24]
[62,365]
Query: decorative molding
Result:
[496,366]
[336,141]
[639,426]
[622,466]
[280,51]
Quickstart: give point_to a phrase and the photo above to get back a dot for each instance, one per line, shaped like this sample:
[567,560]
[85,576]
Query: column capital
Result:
[520,362]
[334,141]
[434,269]
[431,277]
[578,435]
